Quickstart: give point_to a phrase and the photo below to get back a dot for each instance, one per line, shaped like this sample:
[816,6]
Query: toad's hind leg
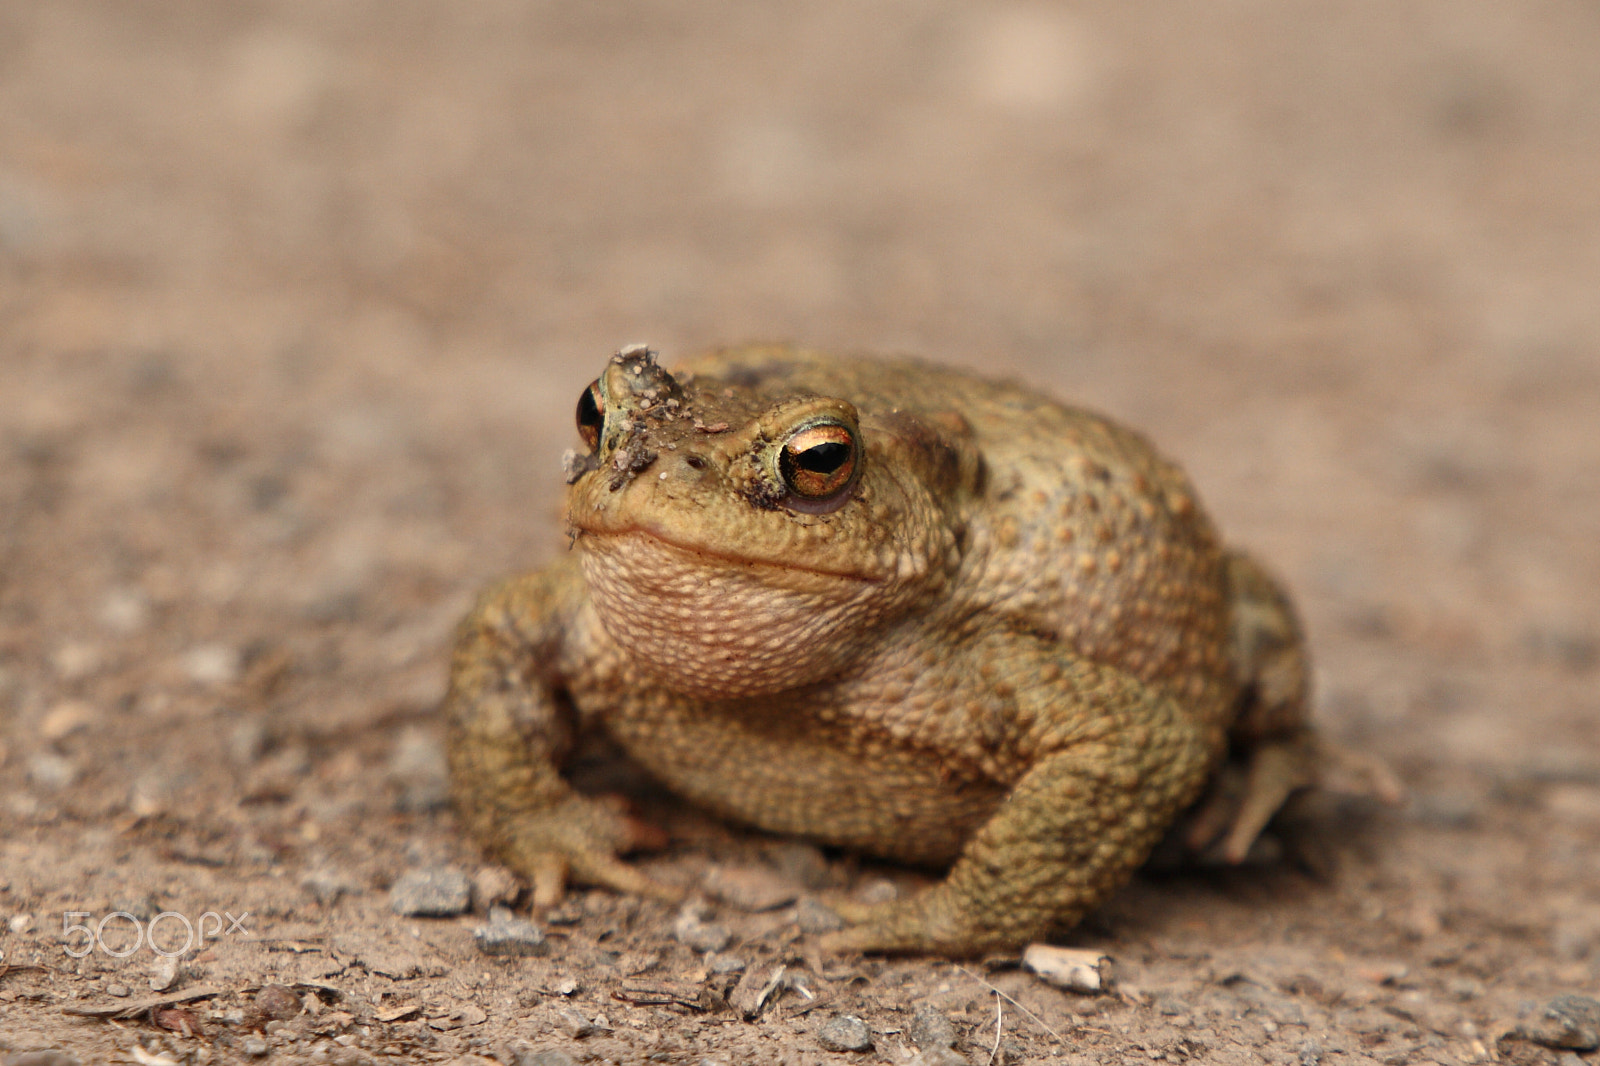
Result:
[1272,728]
[1111,774]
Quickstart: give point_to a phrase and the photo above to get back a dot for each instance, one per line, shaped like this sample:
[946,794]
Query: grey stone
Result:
[721,963]
[845,1033]
[254,1046]
[815,917]
[431,892]
[692,929]
[929,1029]
[1571,1022]
[51,771]
[509,936]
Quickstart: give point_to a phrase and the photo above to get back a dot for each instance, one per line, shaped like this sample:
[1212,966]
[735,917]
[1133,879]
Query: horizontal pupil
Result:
[823,458]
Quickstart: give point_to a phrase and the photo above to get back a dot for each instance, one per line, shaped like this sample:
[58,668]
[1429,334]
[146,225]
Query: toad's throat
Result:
[721,558]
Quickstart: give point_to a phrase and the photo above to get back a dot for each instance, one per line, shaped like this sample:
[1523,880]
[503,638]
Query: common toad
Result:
[887,606]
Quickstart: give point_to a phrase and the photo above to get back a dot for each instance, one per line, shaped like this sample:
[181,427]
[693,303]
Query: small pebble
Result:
[66,718]
[211,664]
[508,936]
[930,1029]
[125,610]
[692,929]
[1074,969]
[277,1003]
[718,962]
[49,770]
[1571,1022]
[845,1033]
[879,891]
[117,991]
[75,661]
[254,1046]
[432,892]
[814,917]
[20,924]
[576,1025]
[164,973]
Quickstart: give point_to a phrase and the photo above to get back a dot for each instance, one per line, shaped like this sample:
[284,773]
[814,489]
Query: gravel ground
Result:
[295,303]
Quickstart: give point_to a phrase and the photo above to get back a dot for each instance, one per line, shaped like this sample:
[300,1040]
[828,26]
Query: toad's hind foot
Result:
[1244,798]
[1248,792]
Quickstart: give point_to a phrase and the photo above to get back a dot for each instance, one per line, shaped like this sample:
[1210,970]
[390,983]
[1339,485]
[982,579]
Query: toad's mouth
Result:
[714,558]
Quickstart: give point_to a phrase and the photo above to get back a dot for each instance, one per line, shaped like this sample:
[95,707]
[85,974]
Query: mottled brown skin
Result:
[1005,639]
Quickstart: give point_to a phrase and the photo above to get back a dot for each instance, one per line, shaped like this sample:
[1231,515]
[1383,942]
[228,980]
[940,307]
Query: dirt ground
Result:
[295,304]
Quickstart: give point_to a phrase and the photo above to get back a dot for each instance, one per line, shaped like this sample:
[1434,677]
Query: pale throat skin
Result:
[883,605]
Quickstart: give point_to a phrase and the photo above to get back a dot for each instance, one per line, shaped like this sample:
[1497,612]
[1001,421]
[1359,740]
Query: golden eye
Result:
[819,461]
[591,416]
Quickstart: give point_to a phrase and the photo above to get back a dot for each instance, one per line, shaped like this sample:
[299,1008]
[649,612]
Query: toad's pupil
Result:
[823,458]
[589,417]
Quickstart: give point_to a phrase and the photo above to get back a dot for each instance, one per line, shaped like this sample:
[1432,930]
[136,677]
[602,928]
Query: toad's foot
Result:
[1244,799]
[580,840]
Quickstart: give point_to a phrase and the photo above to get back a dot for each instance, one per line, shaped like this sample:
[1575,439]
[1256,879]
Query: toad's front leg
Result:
[1111,777]
[509,726]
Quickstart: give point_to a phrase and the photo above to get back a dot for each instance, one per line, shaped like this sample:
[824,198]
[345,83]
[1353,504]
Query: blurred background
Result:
[296,300]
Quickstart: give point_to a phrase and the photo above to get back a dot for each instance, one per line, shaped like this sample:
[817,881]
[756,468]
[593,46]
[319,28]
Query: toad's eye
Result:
[591,416]
[818,462]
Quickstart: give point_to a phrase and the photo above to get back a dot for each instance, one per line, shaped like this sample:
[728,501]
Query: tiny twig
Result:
[999,1009]
[1036,1019]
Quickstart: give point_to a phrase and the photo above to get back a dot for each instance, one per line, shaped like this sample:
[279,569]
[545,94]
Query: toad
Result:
[887,606]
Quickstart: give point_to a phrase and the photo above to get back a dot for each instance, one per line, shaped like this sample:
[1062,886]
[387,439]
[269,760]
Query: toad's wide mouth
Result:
[718,558]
